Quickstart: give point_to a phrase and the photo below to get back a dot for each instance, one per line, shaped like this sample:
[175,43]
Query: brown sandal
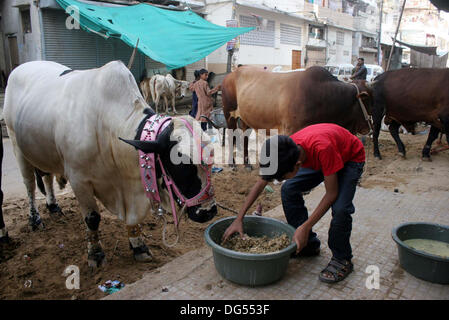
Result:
[338,269]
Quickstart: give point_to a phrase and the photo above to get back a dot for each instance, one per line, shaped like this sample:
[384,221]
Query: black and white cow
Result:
[68,125]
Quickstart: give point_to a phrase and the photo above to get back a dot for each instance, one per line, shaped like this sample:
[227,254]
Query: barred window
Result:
[290,34]
[340,38]
[261,36]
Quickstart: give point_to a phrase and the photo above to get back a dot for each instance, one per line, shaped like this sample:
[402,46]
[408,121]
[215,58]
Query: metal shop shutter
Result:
[73,48]
[290,34]
[79,49]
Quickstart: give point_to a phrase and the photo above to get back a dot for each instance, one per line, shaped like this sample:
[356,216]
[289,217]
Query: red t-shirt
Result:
[328,147]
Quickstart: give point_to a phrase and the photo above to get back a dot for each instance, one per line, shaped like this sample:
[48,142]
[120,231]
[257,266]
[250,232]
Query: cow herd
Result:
[73,126]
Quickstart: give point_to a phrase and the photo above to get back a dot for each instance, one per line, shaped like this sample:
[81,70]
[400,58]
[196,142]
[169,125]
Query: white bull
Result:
[165,87]
[69,124]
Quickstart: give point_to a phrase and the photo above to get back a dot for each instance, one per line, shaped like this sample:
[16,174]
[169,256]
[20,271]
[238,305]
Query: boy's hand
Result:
[301,237]
[236,226]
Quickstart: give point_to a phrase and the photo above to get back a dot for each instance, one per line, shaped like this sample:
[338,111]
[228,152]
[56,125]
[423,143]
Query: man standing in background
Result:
[361,71]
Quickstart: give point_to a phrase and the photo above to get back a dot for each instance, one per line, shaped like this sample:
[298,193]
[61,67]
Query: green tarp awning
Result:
[174,38]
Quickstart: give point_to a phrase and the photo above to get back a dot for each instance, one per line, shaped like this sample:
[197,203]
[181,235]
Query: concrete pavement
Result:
[193,276]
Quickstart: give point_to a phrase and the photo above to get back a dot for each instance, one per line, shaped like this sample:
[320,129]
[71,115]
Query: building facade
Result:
[289,34]
[42,30]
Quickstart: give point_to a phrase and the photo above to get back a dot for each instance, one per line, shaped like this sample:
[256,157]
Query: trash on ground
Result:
[216,169]
[269,189]
[111,286]
[258,211]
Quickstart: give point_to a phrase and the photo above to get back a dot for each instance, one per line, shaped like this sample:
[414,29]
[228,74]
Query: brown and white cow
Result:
[288,102]
[69,125]
[408,96]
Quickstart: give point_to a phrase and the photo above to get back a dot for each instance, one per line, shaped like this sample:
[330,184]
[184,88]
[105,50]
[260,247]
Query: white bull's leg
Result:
[52,205]
[136,243]
[29,180]
[89,209]
[166,104]
[173,99]
[156,101]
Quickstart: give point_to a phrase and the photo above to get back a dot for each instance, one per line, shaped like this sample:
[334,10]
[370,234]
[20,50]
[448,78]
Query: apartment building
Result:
[290,34]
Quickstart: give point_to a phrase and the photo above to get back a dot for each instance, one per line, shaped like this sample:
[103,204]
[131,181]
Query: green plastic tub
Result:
[421,264]
[248,268]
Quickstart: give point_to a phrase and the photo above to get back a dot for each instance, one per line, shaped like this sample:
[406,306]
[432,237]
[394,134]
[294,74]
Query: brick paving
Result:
[193,276]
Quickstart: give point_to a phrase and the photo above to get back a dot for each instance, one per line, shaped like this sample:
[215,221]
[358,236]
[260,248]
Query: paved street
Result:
[193,276]
[377,212]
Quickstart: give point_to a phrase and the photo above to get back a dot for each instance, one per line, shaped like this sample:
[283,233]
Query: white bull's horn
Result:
[131,60]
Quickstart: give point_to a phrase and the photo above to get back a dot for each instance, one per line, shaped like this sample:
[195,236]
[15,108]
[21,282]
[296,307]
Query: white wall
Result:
[280,54]
[336,52]
[218,13]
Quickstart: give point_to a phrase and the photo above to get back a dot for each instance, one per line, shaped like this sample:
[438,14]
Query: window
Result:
[26,19]
[348,71]
[340,38]
[259,36]
[290,34]
[316,32]
[395,18]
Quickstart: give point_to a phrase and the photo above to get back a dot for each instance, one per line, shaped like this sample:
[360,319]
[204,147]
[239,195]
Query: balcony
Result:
[329,16]
[316,43]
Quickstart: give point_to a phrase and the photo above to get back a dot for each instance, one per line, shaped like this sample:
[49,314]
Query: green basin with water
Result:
[423,265]
[248,268]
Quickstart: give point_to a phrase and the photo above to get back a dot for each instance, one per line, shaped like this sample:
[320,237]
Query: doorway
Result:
[296,59]
[13,52]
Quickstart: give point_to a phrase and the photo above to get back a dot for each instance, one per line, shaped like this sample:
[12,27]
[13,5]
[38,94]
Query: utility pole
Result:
[231,51]
[395,35]
[379,37]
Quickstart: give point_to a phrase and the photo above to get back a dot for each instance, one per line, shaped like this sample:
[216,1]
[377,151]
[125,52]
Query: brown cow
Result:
[407,96]
[288,102]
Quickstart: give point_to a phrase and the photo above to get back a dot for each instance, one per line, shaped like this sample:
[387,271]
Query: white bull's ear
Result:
[145,146]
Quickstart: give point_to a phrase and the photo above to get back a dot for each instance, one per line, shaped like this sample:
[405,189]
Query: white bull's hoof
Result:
[249,167]
[402,155]
[143,257]
[4,238]
[96,257]
[55,209]
[142,253]
[36,223]
[427,159]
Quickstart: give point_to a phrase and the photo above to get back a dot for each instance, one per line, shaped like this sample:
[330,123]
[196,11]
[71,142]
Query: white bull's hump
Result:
[68,114]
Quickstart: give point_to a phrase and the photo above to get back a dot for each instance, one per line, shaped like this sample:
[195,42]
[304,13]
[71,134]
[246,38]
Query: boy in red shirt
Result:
[321,152]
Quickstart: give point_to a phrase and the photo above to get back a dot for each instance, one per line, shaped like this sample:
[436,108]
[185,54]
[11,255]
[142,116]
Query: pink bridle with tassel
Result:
[147,161]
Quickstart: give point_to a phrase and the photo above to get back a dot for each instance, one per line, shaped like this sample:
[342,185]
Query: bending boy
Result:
[321,152]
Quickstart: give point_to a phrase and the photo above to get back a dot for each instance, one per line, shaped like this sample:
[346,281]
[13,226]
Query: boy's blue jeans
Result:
[341,224]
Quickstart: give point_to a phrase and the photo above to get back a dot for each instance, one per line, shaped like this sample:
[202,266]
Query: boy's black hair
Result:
[288,154]
[202,71]
[196,74]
